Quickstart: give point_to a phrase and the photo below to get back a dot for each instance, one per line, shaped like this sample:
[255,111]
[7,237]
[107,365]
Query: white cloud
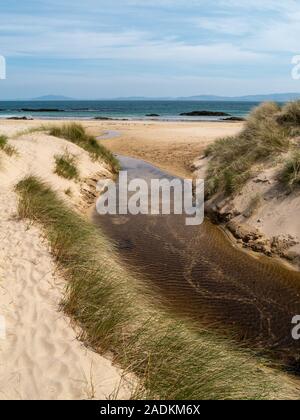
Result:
[166,36]
[126,45]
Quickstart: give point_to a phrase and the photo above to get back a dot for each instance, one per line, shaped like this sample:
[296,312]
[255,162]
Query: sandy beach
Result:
[40,355]
[172,146]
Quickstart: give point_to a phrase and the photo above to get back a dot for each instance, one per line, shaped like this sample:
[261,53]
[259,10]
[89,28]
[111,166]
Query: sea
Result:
[122,109]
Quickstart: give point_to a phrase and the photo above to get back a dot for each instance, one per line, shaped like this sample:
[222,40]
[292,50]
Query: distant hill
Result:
[53,98]
[278,97]
[144,98]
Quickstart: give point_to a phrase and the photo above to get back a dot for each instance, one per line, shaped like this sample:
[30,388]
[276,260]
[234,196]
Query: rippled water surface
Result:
[201,274]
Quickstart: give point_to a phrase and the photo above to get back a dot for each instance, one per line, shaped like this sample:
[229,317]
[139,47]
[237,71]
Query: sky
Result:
[96,49]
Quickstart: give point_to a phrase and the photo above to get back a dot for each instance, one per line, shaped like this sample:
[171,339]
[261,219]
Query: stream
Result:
[202,275]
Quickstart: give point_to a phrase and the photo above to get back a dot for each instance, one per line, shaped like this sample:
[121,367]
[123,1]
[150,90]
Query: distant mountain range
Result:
[278,97]
[53,98]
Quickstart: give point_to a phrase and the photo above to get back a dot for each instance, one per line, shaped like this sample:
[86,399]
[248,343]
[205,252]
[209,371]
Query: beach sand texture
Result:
[172,146]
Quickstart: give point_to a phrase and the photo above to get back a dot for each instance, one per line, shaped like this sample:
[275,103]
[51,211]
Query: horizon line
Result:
[135,97]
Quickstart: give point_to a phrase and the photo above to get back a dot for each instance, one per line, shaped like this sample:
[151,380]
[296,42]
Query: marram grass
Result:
[266,135]
[65,166]
[76,133]
[5,147]
[117,314]
[290,175]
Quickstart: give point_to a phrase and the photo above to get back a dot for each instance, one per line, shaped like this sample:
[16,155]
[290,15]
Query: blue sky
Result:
[98,48]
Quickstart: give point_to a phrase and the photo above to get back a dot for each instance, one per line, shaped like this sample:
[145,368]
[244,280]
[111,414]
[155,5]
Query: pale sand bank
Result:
[41,357]
[171,146]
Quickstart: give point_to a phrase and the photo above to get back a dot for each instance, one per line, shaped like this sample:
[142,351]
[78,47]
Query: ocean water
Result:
[121,109]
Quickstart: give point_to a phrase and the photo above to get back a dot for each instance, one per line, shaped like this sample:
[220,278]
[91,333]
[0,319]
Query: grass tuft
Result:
[65,166]
[8,149]
[117,314]
[290,175]
[233,159]
[76,134]
[290,114]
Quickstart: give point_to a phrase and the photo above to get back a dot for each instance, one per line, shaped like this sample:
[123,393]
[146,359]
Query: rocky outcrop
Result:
[204,114]
[234,119]
[20,118]
[251,237]
[259,217]
[103,118]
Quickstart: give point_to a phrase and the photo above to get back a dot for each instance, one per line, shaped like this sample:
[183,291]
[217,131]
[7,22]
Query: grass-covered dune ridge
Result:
[268,133]
[170,360]
[76,133]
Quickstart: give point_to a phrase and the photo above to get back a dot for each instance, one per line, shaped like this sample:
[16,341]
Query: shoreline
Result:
[112,120]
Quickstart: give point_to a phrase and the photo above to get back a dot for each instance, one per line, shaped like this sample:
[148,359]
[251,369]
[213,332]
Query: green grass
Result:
[65,166]
[28,131]
[76,134]
[233,159]
[290,175]
[290,115]
[117,314]
[9,150]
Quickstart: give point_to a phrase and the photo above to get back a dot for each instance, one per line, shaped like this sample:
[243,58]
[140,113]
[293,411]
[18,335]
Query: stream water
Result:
[201,274]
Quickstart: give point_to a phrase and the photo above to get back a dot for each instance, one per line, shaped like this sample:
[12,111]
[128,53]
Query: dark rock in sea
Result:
[205,114]
[234,119]
[41,110]
[152,115]
[103,118]
[20,118]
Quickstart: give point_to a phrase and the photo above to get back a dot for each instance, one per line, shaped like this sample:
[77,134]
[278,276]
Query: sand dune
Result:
[40,357]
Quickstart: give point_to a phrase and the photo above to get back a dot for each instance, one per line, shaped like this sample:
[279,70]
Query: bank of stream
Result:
[202,275]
